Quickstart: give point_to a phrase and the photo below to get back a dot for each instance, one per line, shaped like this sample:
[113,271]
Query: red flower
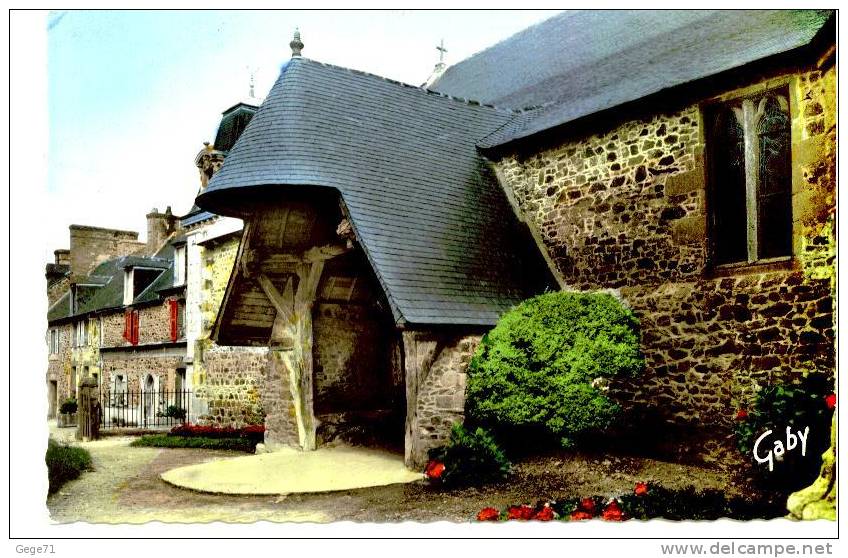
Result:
[545,514]
[587,505]
[488,514]
[578,515]
[519,512]
[612,512]
[741,414]
[830,401]
[434,470]
[641,489]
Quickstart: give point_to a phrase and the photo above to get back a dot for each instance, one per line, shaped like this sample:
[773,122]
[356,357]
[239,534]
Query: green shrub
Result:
[545,366]
[686,504]
[776,407]
[69,406]
[470,457]
[197,442]
[175,412]
[64,463]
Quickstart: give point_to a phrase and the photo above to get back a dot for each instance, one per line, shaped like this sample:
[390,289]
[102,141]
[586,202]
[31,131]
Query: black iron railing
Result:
[143,408]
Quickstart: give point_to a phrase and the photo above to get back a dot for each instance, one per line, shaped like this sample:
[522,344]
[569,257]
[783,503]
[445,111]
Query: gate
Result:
[144,408]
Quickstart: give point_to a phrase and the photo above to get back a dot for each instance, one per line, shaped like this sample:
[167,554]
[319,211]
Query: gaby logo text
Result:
[792,441]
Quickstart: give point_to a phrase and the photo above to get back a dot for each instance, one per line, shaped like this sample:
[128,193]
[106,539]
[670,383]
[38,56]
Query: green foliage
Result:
[196,442]
[64,463]
[535,370]
[697,504]
[69,406]
[776,407]
[471,458]
[175,412]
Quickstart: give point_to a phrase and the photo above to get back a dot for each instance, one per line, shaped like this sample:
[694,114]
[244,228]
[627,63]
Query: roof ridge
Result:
[427,91]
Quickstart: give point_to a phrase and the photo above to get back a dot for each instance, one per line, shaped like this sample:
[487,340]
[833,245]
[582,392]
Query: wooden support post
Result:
[292,338]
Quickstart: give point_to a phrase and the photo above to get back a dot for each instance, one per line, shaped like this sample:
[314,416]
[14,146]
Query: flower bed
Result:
[195,442]
[206,437]
[646,501]
[255,432]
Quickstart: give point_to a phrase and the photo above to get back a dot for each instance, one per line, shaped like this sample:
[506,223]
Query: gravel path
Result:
[125,488]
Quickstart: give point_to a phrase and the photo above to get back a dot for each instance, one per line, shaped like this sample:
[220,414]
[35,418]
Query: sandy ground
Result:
[126,487]
[288,471]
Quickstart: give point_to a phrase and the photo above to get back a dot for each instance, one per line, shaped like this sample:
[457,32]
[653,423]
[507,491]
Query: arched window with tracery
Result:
[750,179]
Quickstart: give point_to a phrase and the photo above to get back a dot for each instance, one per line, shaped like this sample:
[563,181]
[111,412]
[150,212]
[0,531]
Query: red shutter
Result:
[174,308]
[128,325]
[134,334]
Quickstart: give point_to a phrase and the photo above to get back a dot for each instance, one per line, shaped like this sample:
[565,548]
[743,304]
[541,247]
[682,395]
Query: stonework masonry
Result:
[436,364]
[91,246]
[626,209]
[136,366]
[59,365]
[227,381]
[351,365]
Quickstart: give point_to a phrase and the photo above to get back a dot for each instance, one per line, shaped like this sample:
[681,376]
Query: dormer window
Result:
[179,265]
[128,286]
[136,280]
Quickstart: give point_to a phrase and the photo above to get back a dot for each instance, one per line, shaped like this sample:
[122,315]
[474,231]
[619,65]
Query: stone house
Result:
[117,311]
[227,380]
[137,316]
[668,156]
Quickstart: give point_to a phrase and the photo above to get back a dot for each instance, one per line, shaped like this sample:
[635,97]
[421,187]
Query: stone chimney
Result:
[90,246]
[56,274]
[160,226]
[62,256]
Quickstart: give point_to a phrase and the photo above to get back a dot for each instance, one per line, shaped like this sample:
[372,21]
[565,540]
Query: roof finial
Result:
[296,44]
[250,93]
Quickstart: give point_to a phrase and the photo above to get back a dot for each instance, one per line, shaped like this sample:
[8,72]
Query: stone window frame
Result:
[180,274]
[80,336]
[54,341]
[788,84]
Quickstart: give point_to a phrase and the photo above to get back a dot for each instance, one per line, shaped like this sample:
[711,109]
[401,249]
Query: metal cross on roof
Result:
[252,72]
[442,50]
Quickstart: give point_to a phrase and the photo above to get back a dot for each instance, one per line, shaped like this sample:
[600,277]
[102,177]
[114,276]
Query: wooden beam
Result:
[284,329]
[326,252]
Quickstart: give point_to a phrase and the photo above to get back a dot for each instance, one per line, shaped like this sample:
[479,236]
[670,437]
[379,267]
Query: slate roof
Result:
[194,216]
[107,284]
[434,224]
[582,62]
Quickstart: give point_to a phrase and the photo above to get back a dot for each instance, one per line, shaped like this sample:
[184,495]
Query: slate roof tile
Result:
[586,61]
[434,224]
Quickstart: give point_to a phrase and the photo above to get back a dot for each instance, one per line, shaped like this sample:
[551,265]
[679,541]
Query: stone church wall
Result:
[436,365]
[350,367]
[625,208]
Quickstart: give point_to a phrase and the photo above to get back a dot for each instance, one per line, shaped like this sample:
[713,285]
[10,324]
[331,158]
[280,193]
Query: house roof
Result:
[583,62]
[106,283]
[434,224]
